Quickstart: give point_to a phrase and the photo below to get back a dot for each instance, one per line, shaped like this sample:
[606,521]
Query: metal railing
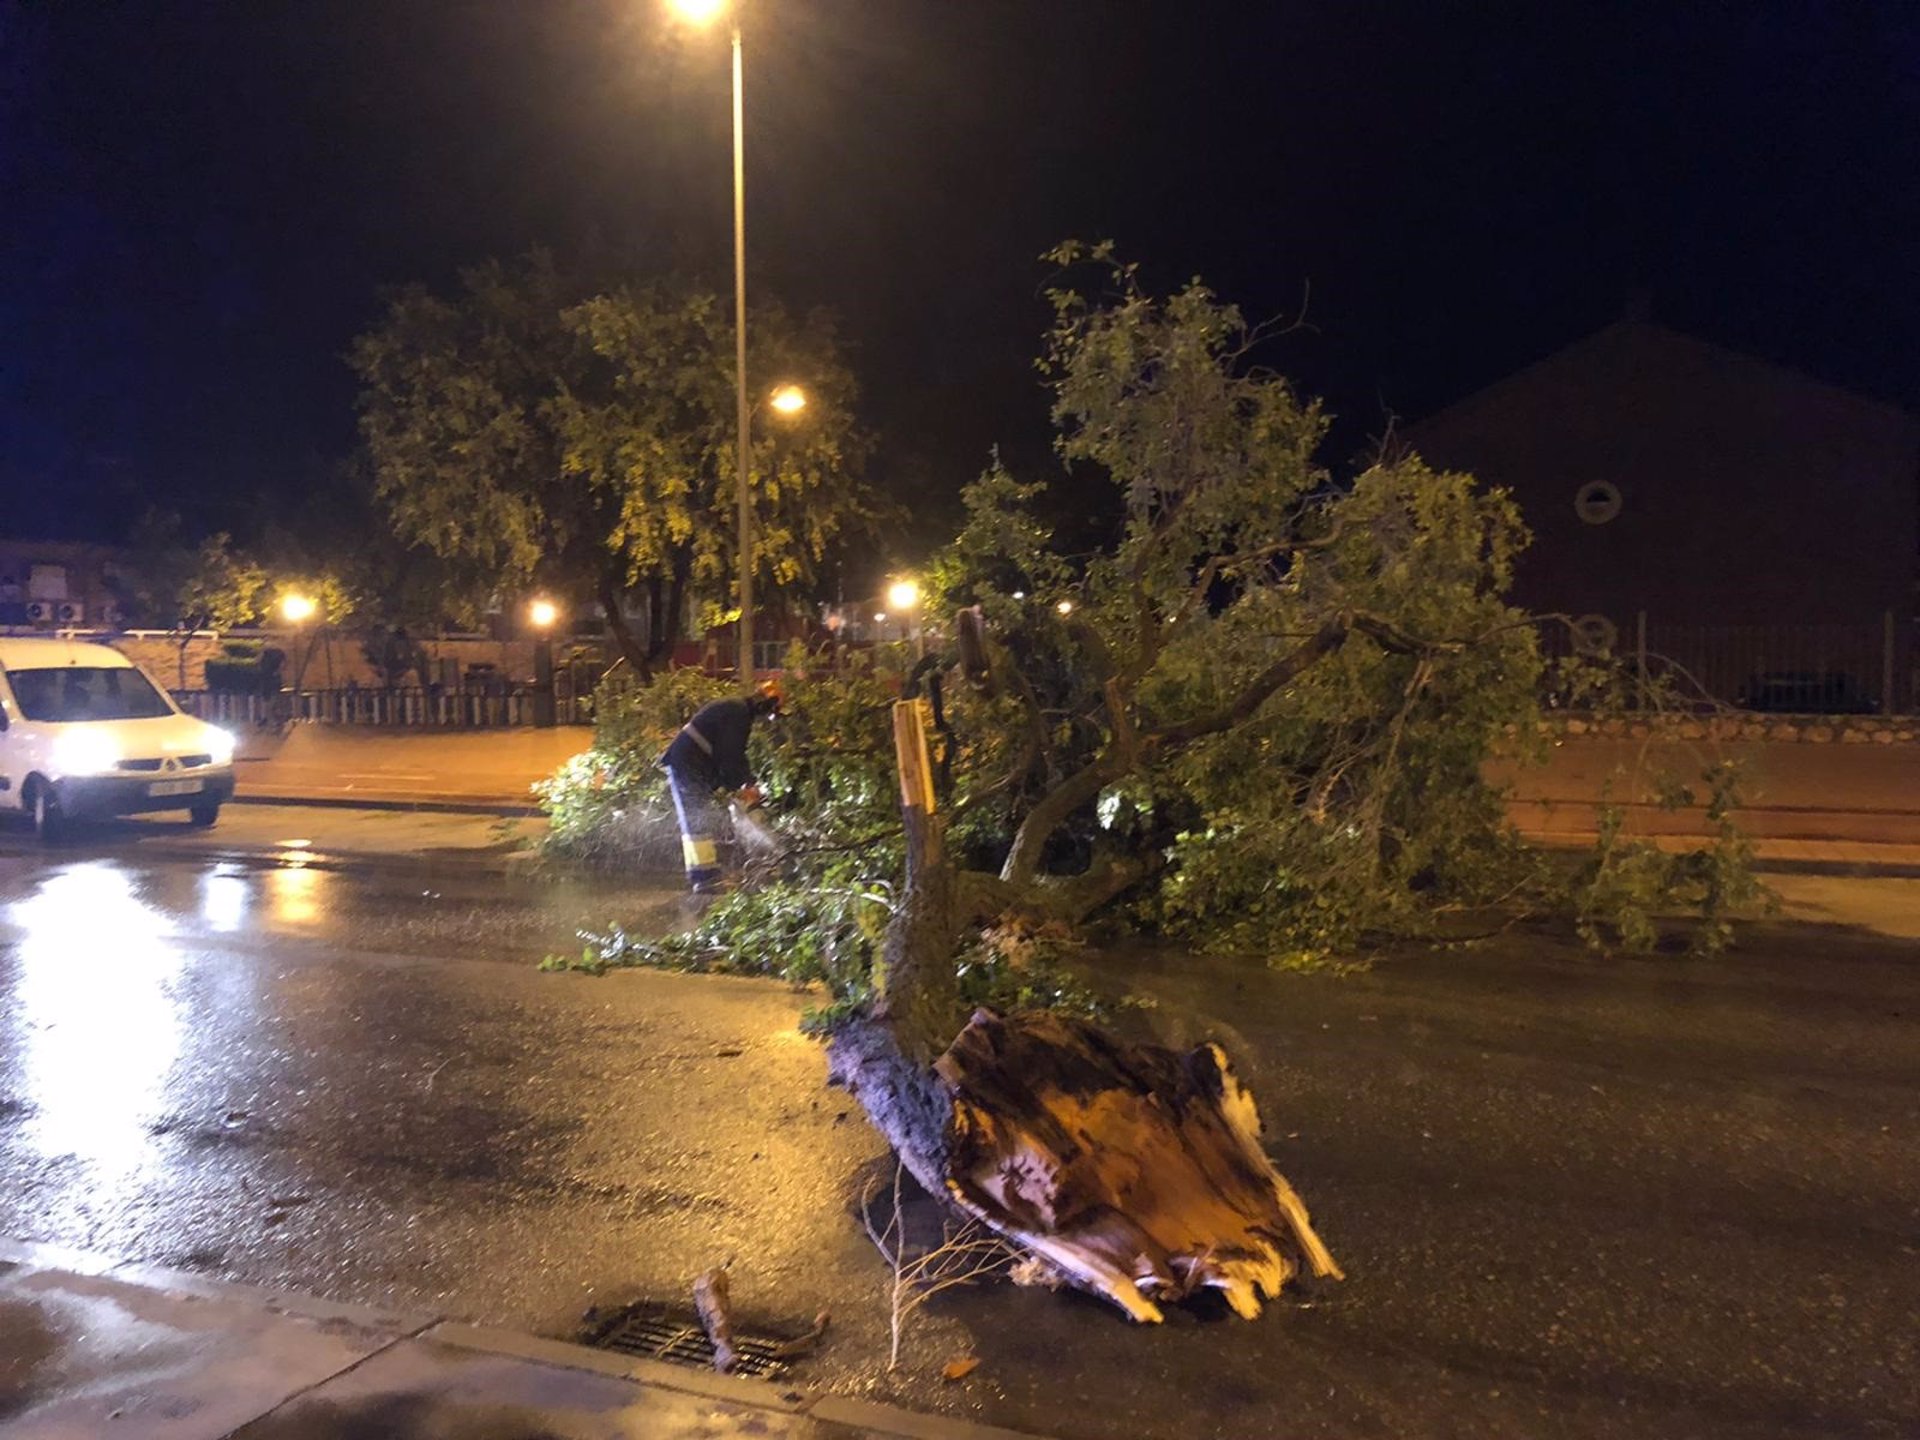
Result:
[489,707]
[1860,669]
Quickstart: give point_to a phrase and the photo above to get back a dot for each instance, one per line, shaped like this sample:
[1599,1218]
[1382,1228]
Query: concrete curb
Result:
[1896,862]
[872,1418]
[1852,869]
[430,805]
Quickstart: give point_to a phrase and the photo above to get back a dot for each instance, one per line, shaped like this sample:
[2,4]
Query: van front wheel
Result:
[203,817]
[49,823]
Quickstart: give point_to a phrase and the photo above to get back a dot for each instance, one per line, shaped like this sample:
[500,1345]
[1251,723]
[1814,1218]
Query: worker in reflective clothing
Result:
[709,756]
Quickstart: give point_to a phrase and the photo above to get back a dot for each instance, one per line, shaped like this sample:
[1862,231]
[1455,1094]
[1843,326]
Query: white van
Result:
[84,734]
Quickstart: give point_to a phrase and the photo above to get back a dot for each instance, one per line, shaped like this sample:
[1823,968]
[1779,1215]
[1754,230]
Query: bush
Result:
[610,803]
[246,668]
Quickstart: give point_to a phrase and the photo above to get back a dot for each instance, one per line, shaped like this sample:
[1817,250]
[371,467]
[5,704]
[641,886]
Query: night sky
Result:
[200,201]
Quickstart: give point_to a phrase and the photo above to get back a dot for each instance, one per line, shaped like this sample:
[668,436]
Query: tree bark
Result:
[667,607]
[623,636]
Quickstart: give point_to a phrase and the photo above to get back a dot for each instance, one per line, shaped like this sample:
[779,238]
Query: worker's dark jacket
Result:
[712,747]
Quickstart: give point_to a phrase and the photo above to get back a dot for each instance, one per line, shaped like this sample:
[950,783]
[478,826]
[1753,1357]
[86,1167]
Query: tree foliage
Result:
[537,430]
[185,588]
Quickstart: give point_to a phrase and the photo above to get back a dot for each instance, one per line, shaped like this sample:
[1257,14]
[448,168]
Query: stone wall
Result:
[1738,725]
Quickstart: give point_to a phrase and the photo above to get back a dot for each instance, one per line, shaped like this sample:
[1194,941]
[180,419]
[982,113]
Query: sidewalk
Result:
[484,771]
[1848,809]
[92,1349]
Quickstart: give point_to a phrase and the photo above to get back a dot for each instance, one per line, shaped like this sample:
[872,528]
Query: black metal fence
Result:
[1861,669]
[488,707]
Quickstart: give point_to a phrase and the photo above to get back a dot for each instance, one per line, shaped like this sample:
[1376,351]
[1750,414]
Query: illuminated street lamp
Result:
[703,12]
[1065,607]
[543,613]
[903,599]
[788,400]
[296,609]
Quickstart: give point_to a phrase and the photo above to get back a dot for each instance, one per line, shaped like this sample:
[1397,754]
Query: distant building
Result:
[59,585]
[1679,486]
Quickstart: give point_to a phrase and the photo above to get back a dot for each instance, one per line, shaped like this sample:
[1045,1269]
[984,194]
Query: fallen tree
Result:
[1254,722]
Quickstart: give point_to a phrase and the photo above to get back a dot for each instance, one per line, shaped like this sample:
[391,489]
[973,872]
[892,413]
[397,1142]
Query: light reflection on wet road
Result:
[97,1040]
[352,1080]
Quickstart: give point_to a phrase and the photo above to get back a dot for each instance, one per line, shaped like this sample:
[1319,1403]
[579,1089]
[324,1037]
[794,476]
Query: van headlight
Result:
[85,752]
[220,745]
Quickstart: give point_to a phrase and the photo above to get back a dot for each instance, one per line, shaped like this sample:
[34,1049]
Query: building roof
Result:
[1635,346]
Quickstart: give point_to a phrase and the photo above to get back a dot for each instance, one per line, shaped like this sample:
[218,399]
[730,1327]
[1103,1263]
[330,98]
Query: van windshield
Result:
[82,692]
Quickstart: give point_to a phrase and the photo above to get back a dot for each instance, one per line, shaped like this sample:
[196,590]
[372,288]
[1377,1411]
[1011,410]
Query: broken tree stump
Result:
[1134,1170]
[1131,1171]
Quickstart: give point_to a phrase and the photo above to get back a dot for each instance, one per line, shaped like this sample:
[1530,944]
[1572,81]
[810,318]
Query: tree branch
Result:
[1121,755]
[1391,638]
[1023,857]
[1328,638]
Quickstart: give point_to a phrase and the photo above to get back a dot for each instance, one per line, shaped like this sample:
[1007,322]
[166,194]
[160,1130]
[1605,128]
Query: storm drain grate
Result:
[676,1336]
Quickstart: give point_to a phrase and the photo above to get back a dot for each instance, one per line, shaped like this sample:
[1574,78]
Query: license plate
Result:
[174,787]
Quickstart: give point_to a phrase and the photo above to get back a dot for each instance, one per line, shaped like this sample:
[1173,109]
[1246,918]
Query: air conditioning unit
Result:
[72,612]
[39,611]
[116,615]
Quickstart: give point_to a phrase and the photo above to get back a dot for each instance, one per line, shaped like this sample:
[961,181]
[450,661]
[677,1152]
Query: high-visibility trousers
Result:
[700,824]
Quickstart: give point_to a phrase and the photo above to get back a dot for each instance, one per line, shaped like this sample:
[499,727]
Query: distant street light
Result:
[297,609]
[789,400]
[703,12]
[1065,607]
[903,599]
[543,613]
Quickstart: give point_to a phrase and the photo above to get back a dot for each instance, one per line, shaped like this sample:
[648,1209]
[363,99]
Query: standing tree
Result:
[334,527]
[534,431]
[187,589]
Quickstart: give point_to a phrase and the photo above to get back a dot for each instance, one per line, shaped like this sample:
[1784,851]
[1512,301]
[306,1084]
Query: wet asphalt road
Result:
[1575,1197]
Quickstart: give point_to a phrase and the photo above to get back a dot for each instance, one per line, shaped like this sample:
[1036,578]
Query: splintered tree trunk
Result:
[1130,1171]
[1133,1170]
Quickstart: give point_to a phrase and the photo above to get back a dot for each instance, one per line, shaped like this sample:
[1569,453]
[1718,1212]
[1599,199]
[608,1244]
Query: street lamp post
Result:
[744,666]
[903,599]
[542,614]
[700,12]
[789,399]
[296,609]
